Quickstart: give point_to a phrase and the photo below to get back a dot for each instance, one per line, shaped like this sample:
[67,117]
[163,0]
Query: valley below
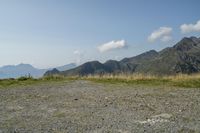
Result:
[87,106]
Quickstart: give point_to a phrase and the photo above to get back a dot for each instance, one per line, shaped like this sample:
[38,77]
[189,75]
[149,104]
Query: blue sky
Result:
[49,33]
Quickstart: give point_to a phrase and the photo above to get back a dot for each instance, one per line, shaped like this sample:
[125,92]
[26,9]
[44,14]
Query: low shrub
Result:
[24,78]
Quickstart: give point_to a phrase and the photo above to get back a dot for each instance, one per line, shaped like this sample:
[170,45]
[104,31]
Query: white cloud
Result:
[186,28]
[112,45]
[162,34]
[79,56]
[166,38]
[76,52]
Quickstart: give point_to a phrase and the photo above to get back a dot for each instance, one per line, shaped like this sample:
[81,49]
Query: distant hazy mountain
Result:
[183,57]
[51,72]
[66,67]
[14,71]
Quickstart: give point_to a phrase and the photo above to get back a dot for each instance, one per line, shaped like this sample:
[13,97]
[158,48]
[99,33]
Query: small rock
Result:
[110,102]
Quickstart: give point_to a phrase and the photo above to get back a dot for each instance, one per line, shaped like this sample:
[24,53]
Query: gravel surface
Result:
[84,106]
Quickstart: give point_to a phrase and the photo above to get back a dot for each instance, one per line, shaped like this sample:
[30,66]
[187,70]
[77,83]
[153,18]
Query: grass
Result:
[24,81]
[180,80]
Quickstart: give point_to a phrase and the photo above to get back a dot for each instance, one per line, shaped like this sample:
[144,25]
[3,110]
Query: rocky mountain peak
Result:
[187,43]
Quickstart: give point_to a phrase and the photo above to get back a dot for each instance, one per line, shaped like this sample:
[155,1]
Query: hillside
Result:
[183,57]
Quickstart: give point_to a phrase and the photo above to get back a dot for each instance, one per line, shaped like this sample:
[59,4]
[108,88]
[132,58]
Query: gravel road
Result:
[88,107]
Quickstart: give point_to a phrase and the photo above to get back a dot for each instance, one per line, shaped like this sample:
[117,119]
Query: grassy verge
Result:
[186,81]
[24,81]
[180,80]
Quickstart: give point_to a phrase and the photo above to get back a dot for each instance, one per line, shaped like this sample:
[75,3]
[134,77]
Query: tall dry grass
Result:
[144,76]
[178,80]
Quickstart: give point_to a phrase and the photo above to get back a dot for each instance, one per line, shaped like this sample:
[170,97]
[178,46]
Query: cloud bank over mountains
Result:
[163,34]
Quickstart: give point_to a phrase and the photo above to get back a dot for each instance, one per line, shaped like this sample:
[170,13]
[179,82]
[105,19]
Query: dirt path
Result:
[83,106]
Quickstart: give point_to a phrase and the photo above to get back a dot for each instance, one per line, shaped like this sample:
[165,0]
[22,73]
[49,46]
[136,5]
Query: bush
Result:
[54,77]
[24,78]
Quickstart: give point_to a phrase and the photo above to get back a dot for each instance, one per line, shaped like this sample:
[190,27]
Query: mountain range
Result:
[15,71]
[183,57]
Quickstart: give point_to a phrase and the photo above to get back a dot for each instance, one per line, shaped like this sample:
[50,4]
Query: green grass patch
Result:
[148,82]
[160,81]
[184,81]
[25,81]
[190,83]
